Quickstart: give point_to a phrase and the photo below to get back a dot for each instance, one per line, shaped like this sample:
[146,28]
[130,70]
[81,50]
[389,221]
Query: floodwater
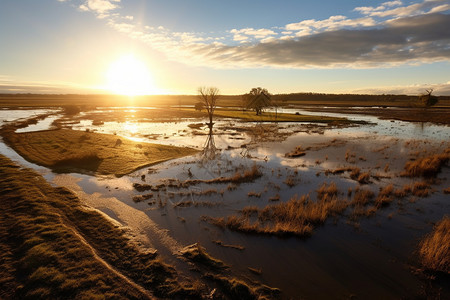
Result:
[369,259]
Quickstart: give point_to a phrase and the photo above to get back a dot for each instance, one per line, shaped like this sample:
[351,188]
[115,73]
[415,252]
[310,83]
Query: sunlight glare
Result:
[129,76]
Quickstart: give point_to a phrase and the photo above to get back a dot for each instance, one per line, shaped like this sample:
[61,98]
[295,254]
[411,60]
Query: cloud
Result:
[332,23]
[390,34]
[416,89]
[385,10]
[423,38]
[247,33]
[100,7]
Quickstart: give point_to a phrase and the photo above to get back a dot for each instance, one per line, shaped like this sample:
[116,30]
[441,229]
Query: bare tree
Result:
[257,99]
[428,99]
[208,96]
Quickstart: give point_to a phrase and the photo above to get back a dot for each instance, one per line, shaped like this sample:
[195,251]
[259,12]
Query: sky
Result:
[176,46]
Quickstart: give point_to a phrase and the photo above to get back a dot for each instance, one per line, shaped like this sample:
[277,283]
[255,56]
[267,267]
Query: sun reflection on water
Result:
[131,127]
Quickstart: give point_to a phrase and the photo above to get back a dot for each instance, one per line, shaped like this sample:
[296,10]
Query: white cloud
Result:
[240,37]
[247,33]
[386,10]
[332,23]
[415,89]
[387,35]
[99,6]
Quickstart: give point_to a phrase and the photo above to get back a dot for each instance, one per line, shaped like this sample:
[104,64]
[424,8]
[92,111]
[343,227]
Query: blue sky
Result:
[348,46]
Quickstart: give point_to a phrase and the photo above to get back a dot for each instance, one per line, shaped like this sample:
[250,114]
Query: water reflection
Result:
[209,149]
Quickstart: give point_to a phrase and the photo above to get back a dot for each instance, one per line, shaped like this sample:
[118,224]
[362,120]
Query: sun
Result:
[129,76]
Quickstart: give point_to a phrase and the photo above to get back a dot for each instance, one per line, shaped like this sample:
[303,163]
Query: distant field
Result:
[35,100]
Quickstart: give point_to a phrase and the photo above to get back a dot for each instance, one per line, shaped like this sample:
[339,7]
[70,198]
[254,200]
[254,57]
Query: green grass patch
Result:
[69,150]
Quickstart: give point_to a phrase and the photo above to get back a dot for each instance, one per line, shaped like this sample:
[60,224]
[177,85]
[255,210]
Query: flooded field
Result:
[230,197]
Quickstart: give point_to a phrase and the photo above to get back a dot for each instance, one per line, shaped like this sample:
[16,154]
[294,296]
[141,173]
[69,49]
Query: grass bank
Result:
[67,150]
[53,247]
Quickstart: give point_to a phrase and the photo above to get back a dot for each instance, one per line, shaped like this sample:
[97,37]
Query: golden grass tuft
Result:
[362,197]
[421,189]
[364,178]
[427,167]
[254,194]
[327,191]
[434,249]
[298,216]
[385,196]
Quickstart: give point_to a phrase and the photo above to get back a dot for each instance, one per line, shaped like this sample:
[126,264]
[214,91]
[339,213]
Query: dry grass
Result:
[427,167]
[53,247]
[327,191]
[298,216]
[255,271]
[254,194]
[275,198]
[198,254]
[385,196]
[247,175]
[362,197]
[237,289]
[291,181]
[69,150]
[189,203]
[402,193]
[434,248]
[297,152]
[364,178]
[421,189]
[140,198]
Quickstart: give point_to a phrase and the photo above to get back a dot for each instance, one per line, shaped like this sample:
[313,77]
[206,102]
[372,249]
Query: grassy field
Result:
[64,150]
[52,246]
[272,117]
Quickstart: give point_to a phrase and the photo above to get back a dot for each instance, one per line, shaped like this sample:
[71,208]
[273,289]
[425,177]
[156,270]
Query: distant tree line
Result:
[341,97]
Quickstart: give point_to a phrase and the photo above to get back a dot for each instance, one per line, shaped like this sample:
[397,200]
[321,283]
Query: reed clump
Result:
[298,216]
[385,196]
[428,166]
[434,248]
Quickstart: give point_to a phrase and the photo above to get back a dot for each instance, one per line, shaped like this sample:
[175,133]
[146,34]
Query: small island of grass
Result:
[69,150]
